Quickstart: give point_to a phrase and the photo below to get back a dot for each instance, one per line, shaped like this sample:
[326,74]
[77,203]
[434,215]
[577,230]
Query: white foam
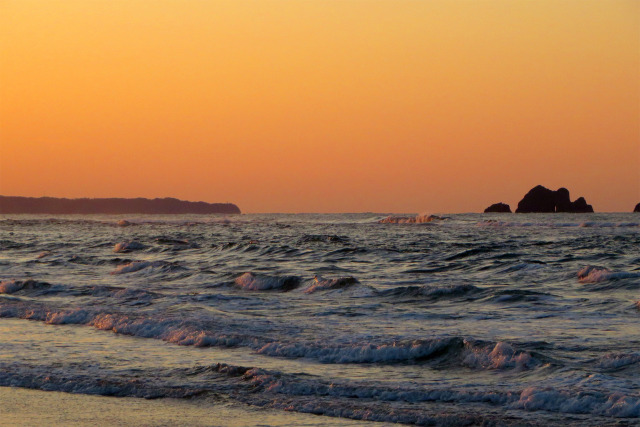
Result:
[548,399]
[502,356]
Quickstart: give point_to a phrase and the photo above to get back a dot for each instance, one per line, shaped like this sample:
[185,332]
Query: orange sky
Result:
[322,106]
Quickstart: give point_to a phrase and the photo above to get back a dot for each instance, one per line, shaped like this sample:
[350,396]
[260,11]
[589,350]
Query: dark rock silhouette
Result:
[498,208]
[51,205]
[637,208]
[580,206]
[540,199]
[562,200]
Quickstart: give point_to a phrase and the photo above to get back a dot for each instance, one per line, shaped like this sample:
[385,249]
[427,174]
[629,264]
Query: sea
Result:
[464,319]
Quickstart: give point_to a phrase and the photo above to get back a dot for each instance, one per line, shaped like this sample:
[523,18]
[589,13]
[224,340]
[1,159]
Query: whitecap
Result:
[501,356]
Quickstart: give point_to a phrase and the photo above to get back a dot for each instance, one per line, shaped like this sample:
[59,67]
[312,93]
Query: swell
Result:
[430,292]
[122,295]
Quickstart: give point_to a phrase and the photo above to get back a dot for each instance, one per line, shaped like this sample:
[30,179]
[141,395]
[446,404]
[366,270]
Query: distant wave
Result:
[324,238]
[497,223]
[420,219]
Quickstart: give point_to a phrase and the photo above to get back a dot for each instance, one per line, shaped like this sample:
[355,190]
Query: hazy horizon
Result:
[423,212]
[386,106]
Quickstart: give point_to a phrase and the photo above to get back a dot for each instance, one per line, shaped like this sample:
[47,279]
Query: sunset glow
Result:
[322,106]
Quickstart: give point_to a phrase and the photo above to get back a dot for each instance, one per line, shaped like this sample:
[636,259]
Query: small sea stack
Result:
[637,208]
[498,208]
[542,200]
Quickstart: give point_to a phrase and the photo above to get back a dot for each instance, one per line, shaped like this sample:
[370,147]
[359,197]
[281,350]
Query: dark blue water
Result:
[505,319]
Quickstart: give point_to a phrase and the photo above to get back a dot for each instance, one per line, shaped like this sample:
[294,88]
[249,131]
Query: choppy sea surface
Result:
[527,319]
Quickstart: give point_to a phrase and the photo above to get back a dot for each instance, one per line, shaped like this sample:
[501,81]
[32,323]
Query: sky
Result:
[322,105]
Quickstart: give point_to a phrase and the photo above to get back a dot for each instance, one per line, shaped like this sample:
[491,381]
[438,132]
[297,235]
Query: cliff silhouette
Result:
[53,205]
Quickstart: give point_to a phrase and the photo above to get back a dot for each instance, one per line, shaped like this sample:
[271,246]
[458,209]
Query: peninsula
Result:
[52,205]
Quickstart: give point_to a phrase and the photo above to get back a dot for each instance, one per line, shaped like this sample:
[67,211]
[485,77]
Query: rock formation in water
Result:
[540,199]
[51,205]
[498,208]
[637,208]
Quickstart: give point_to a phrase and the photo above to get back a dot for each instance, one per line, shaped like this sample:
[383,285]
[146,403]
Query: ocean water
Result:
[472,319]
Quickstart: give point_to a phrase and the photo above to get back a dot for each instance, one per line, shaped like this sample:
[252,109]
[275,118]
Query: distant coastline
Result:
[54,205]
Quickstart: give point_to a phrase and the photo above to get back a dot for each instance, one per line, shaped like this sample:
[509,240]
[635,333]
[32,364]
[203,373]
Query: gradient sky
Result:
[322,106]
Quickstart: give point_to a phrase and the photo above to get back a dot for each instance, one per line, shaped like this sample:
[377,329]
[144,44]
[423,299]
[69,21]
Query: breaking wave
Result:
[359,400]
[420,219]
[463,352]
[592,274]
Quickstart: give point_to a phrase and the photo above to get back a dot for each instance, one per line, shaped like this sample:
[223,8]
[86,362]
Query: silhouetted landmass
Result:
[52,205]
[637,208]
[498,208]
[540,199]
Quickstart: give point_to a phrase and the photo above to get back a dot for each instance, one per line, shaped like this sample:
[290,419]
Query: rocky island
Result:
[498,208]
[541,199]
[52,205]
[637,208]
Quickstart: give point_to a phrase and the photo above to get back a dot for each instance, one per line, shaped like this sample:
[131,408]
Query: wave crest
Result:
[420,219]
[501,356]
[593,274]
[254,282]
[13,286]
[321,284]
[130,246]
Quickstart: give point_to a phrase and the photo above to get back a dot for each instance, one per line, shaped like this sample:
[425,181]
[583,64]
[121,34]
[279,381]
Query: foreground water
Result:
[505,319]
